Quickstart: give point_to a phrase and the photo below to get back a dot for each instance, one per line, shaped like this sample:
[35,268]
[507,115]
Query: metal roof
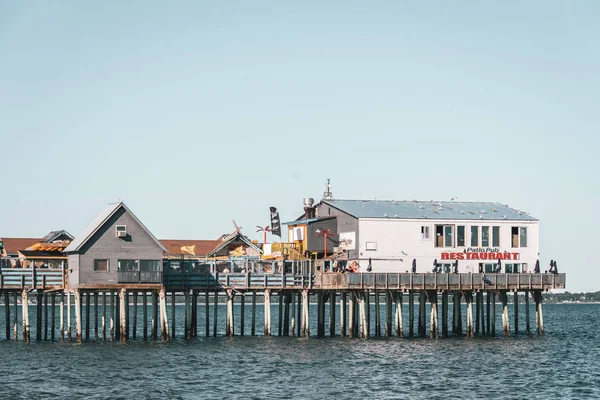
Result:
[307,221]
[99,221]
[451,210]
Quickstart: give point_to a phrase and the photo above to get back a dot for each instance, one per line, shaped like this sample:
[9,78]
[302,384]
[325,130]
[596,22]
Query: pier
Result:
[144,308]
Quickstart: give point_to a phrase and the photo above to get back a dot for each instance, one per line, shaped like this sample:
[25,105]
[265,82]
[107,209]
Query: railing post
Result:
[62,267]
[33,277]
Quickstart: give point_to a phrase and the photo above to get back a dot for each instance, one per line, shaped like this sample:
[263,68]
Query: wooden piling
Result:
[363,333]
[377,315]
[111,325]
[25,314]
[16,318]
[104,316]
[39,304]
[164,319]
[539,316]
[368,312]
[207,313]
[493,316]
[505,321]
[96,326]
[488,301]
[320,316]
[422,314]
[469,300]
[411,314]
[253,322]
[482,309]
[215,312]
[332,305]
[87,315]
[298,314]
[7,315]
[293,317]
[154,313]
[445,314]
[77,315]
[305,313]
[172,316]
[229,317]
[527,325]
[122,315]
[61,325]
[280,313]
[343,314]
[351,301]
[52,314]
[516,311]
[45,297]
[194,313]
[355,314]
[135,313]
[398,316]
[477,312]
[388,313]
[242,312]
[187,323]
[267,313]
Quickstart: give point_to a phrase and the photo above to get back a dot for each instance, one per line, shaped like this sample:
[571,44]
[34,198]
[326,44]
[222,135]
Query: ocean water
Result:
[564,363]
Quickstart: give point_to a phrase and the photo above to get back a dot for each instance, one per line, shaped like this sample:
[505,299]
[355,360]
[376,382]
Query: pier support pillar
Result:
[25,314]
[229,318]
[362,316]
[493,316]
[62,315]
[267,312]
[16,318]
[377,315]
[398,316]
[488,302]
[505,321]
[122,315]
[411,314]
[242,312]
[253,325]
[77,315]
[539,316]
[444,314]
[388,313]
[343,314]
[433,320]
[164,320]
[422,314]
[516,311]
[469,301]
[351,302]
[305,315]
[527,325]
[477,312]
[332,313]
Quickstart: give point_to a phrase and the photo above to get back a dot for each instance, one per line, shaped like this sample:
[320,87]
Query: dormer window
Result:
[121,231]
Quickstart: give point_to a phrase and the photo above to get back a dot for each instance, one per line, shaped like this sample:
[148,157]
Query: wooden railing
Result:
[241,281]
[35,278]
[139,276]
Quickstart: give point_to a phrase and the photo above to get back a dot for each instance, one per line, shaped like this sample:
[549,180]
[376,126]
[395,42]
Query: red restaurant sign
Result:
[486,255]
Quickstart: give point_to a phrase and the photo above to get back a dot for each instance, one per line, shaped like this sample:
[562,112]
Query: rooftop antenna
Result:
[327,195]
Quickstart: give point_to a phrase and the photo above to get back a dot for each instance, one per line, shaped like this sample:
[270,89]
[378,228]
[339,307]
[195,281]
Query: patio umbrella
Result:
[551,265]
[456,267]
[369,267]
[555,267]
[537,267]
[414,265]
[435,265]
[499,267]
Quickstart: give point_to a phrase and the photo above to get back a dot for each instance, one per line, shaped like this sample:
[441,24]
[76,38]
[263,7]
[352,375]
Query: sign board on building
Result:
[480,253]
[347,241]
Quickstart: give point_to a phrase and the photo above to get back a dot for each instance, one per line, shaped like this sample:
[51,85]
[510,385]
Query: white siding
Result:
[398,242]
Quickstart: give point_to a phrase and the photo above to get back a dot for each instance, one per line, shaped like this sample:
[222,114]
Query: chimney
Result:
[309,210]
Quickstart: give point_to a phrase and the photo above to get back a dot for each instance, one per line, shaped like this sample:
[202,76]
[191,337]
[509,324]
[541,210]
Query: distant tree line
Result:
[568,296]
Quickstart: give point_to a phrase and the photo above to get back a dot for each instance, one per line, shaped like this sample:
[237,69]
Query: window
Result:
[460,236]
[424,232]
[490,268]
[523,237]
[149,265]
[100,265]
[371,246]
[474,236]
[128,265]
[485,236]
[495,236]
[121,230]
[519,236]
[444,236]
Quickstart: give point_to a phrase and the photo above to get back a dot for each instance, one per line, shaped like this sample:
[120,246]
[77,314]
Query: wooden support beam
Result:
[343,314]
[7,315]
[516,311]
[527,324]
[477,312]
[505,320]
[123,315]
[388,313]
[469,300]
[52,314]
[194,313]
[87,316]
[77,315]
[242,312]
[293,317]
[351,318]
[111,324]
[96,325]
[493,316]
[267,312]
[377,315]
[215,311]
[229,318]
[172,316]
[488,324]
[145,314]
[320,316]
[280,312]
[332,305]
[135,314]
[154,314]
[253,322]
[207,313]
[103,316]
[40,302]
[164,319]
[398,316]
[25,314]
[368,312]
[305,313]
[444,314]
[422,314]
[298,314]
[411,314]
[16,317]
[286,314]
[362,315]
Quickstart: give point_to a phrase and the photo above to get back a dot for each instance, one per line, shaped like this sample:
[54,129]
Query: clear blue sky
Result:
[201,112]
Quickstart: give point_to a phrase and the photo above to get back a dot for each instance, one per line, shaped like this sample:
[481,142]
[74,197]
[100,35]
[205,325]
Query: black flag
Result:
[275,222]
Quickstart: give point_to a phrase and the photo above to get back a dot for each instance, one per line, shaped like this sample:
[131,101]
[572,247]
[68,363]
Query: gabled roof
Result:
[200,247]
[13,245]
[308,221]
[437,210]
[236,235]
[54,235]
[99,221]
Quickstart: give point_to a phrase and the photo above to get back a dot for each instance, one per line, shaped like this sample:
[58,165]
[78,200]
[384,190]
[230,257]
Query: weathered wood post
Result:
[516,311]
[355,313]
[215,311]
[299,314]
[368,312]
[388,313]
[16,319]
[77,315]
[135,313]
[7,315]
[25,314]
[242,312]
[52,314]
[104,316]
[96,326]
[111,325]
[422,314]
[69,316]
[194,313]
[320,315]
[280,312]
[351,315]
[45,297]
[173,300]
[62,315]
[539,314]
[253,324]
[267,312]
[186,314]
[488,300]
[398,316]
[332,303]
[527,326]
[293,317]
[477,311]
[482,309]
[164,319]
[505,321]
[343,314]
[39,303]
[433,319]
[229,318]
[154,312]
[411,314]
[207,312]
[305,313]
[122,314]
[377,315]
[87,315]
[444,314]
[469,301]
[493,316]
[363,333]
